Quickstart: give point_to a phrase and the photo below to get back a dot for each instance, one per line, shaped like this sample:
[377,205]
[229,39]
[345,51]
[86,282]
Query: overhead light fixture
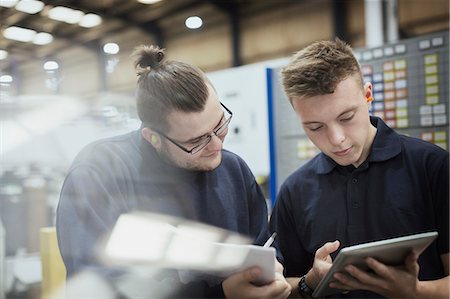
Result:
[27,35]
[6,79]
[51,65]
[65,14]
[90,20]
[3,54]
[148,1]
[111,48]
[8,3]
[193,22]
[19,34]
[42,38]
[29,6]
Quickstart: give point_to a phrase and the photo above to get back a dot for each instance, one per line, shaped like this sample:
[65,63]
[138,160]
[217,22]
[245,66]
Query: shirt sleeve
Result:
[87,211]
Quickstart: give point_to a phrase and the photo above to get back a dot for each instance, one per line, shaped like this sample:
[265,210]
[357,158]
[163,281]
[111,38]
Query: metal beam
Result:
[231,9]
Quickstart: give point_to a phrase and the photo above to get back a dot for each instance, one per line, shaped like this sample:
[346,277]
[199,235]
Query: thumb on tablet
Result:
[328,248]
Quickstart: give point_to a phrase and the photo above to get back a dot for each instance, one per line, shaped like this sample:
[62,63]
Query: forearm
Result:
[434,289]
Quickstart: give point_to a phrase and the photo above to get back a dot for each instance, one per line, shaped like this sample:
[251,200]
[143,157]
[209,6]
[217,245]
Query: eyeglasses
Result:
[205,140]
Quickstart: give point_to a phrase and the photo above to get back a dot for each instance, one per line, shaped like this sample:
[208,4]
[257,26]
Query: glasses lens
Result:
[223,127]
[202,144]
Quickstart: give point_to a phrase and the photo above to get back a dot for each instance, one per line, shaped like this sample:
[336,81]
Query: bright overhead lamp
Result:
[6,79]
[51,65]
[42,38]
[65,14]
[90,20]
[148,1]
[111,48]
[3,54]
[193,22]
[8,3]
[74,16]
[19,34]
[29,6]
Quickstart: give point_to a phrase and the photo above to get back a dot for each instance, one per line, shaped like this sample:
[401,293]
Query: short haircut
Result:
[165,86]
[319,68]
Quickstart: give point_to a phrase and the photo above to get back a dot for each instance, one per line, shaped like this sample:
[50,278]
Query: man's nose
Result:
[336,135]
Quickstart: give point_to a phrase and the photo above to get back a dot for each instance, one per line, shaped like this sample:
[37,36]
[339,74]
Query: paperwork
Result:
[147,239]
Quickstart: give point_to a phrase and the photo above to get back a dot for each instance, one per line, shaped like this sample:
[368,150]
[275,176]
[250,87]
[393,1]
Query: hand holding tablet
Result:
[390,252]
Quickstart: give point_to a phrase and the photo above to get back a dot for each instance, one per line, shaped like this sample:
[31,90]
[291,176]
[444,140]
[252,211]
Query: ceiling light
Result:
[42,38]
[65,14]
[6,79]
[8,3]
[30,6]
[111,48]
[19,34]
[90,20]
[74,17]
[3,54]
[51,65]
[148,1]
[193,22]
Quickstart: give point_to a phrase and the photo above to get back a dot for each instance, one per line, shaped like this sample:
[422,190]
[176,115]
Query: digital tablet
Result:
[390,252]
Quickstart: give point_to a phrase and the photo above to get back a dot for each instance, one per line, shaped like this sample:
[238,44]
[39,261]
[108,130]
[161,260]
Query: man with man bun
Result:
[174,164]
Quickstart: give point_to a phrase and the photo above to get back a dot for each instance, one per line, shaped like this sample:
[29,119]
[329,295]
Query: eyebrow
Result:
[345,112]
[206,134]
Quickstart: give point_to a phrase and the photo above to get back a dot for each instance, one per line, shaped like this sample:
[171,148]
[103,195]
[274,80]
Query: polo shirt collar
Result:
[385,146]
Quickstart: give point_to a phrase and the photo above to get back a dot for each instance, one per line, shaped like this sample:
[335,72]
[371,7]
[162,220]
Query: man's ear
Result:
[152,137]
[368,91]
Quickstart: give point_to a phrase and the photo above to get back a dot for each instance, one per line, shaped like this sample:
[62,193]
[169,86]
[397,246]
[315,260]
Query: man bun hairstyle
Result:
[319,68]
[148,57]
[166,85]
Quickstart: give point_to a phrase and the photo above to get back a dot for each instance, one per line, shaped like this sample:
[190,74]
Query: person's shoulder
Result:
[233,162]
[105,149]
[415,146]
[230,157]
[304,173]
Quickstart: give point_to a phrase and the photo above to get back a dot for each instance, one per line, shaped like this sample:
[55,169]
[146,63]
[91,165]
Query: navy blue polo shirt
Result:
[402,188]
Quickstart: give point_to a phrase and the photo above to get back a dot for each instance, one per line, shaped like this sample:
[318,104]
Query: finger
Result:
[324,251]
[362,276]
[346,283]
[279,267]
[340,286]
[380,269]
[411,263]
[251,274]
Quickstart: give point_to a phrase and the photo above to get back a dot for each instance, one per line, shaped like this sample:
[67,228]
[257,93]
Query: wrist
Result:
[303,288]
[311,279]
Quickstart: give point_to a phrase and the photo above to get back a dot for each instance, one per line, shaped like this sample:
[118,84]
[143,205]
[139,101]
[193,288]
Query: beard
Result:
[195,165]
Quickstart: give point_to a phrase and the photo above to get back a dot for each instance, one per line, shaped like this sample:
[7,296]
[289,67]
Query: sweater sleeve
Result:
[87,211]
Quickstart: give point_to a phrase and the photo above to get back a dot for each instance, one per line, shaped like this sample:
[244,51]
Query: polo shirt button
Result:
[354,180]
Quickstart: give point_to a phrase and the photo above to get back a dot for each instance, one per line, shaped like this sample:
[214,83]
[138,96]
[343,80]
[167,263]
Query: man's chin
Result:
[211,163]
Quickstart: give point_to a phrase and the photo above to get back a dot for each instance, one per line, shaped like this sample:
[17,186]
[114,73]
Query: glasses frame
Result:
[201,146]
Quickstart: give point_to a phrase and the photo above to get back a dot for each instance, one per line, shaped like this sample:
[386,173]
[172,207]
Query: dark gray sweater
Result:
[124,174]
